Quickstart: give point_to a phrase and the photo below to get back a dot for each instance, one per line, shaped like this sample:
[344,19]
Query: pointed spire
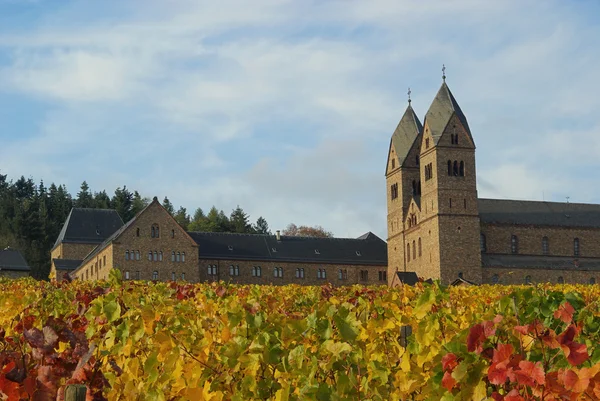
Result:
[443,107]
[406,133]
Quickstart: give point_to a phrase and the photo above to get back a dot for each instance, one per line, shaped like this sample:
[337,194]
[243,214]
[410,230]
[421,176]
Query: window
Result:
[256,271]
[152,233]
[495,279]
[561,280]
[576,247]
[322,274]
[172,233]
[592,280]
[300,272]
[514,244]
[482,242]
[155,256]
[183,256]
[137,275]
[155,275]
[155,231]
[160,256]
[172,256]
[137,232]
[460,274]
[212,270]
[420,247]
[465,203]
[364,275]
[342,274]
[137,256]
[408,252]
[394,191]
[461,169]
[173,276]
[150,256]
[393,163]
[427,143]
[278,272]
[527,279]
[449,167]
[382,275]
[182,276]
[126,255]
[178,257]
[450,202]
[234,270]
[545,246]
[126,274]
[414,250]
[455,168]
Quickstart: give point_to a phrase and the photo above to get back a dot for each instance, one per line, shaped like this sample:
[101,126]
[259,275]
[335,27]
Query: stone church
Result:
[439,228]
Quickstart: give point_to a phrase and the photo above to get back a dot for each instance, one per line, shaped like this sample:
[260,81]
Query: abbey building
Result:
[439,228]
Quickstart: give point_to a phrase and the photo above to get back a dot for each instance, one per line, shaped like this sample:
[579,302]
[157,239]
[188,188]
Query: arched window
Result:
[178,258]
[455,169]
[152,233]
[126,255]
[576,247]
[183,276]
[482,242]
[420,247]
[495,279]
[461,170]
[592,280]
[155,256]
[449,167]
[137,256]
[545,246]
[527,279]
[183,256]
[460,274]
[514,244]
[172,256]
[561,280]
[408,252]
[126,274]
[150,256]
[137,232]
[154,275]
[393,163]
[414,250]
[160,256]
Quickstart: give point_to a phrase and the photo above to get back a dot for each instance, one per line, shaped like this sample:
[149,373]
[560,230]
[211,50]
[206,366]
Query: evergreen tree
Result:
[182,218]
[122,202]
[84,197]
[102,200]
[168,206]
[261,226]
[239,221]
[139,203]
[198,222]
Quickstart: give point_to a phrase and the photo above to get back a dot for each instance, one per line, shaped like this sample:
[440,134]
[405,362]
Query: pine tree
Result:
[139,203]
[198,222]
[168,206]
[239,221]
[84,197]
[182,218]
[261,226]
[102,200]
[122,202]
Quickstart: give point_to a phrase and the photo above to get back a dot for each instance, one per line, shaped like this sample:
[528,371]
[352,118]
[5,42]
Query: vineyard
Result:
[177,341]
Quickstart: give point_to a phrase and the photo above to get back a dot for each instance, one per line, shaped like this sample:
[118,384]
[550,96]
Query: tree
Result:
[261,226]
[168,206]
[84,197]
[138,203]
[306,231]
[239,221]
[198,222]
[122,202]
[182,218]
[102,200]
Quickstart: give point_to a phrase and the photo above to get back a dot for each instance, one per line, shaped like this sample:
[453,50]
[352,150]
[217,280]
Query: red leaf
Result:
[573,381]
[34,337]
[503,353]
[9,388]
[498,373]
[522,329]
[513,396]
[564,312]
[530,373]
[221,291]
[577,353]
[448,381]
[475,338]
[449,362]
[46,385]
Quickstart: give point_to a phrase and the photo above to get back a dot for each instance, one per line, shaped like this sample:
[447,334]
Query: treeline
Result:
[31,216]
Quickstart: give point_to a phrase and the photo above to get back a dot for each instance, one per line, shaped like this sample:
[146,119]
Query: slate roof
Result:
[66,264]
[406,133]
[499,211]
[408,278]
[89,226]
[365,250]
[442,108]
[11,259]
[540,262]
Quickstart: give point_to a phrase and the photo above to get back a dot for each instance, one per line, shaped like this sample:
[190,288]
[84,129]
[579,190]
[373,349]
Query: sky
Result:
[286,107]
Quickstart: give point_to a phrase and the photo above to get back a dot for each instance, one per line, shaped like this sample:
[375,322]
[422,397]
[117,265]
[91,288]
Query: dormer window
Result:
[273,249]
[230,247]
[358,253]
[97,230]
[317,252]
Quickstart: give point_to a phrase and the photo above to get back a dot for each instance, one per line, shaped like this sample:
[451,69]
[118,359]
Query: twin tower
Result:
[433,219]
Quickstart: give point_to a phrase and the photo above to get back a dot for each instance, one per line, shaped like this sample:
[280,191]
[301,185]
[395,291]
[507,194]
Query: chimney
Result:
[278,235]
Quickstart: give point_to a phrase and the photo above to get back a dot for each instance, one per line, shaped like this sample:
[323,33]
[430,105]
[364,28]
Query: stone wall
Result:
[13,274]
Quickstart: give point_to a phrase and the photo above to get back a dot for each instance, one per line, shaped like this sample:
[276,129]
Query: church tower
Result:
[439,237]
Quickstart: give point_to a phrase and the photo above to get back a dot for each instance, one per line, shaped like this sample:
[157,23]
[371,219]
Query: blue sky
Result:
[287,107]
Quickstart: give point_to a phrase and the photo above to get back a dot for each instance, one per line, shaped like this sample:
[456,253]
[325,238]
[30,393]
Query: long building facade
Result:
[439,228]
[152,246]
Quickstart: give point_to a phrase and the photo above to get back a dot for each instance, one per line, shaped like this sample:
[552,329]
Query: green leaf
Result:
[112,310]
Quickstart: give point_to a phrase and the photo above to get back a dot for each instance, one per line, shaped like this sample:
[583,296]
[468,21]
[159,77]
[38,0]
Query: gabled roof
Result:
[366,250]
[89,226]
[66,264]
[408,278]
[11,259]
[500,211]
[462,281]
[406,133]
[443,107]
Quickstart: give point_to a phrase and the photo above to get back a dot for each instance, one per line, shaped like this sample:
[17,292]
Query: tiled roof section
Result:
[11,259]
[540,262]
[440,112]
[499,211]
[89,226]
[406,133]
[66,264]
[371,250]
[408,278]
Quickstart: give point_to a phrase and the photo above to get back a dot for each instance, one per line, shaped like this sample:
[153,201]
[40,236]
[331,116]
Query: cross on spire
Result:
[444,72]
[409,92]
